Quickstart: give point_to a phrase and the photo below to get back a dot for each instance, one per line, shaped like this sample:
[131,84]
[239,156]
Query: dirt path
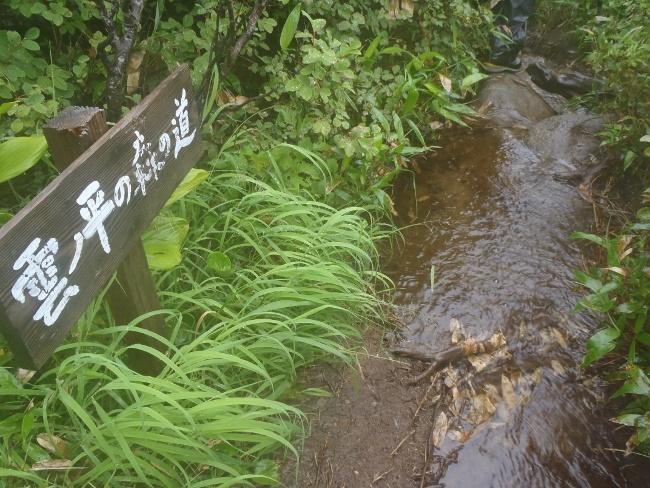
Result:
[372,433]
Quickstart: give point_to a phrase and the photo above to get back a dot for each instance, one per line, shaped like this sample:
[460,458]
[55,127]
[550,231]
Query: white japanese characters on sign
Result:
[39,276]
[40,279]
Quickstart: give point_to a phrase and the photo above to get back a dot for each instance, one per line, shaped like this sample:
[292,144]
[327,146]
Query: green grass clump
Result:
[269,283]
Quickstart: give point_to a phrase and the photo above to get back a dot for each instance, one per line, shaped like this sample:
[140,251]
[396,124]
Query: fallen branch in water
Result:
[438,359]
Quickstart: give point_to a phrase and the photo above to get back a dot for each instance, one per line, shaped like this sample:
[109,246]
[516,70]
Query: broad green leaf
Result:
[290,26]
[471,79]
[293,85]
[590,237]
[640,380]
[219,262]
[192,179]
[4,107]
[318,24]
[162,241]
[392,50]
[162,256]
[28,424]
[629,388]
[372,48]
[600,344]
[628,159]
[630,419]
[643,338]
[18,154]
[306,92]
[32,33]
[411,100]
[397,123]
[31,45]
[644,214]
[586,280]
[170,230]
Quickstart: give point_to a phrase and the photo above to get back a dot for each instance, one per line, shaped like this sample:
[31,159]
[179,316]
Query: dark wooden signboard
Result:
[60,250]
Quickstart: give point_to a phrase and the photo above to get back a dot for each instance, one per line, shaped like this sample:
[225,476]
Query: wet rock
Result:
[566,145]
[569,84]
[508,101]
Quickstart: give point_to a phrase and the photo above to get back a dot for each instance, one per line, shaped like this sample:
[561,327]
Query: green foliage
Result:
[621,291]
[28,78]
[619,42]
[18,154]
[298,281]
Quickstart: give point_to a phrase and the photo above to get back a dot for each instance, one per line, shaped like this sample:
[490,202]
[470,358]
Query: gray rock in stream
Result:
[566,145]
[506,100]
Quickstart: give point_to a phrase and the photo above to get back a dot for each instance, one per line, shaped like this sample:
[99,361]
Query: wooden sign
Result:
[59,251]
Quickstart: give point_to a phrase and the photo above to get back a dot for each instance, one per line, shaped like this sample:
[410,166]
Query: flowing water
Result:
[494,225]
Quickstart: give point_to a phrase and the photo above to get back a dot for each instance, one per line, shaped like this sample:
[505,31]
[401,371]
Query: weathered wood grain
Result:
[55,213]
[133,292]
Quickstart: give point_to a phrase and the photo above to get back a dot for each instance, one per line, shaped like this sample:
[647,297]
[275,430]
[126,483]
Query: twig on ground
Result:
[401,443]
[377,478]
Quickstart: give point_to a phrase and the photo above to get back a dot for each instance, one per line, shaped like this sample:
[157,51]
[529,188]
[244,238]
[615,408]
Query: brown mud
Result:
[491,218]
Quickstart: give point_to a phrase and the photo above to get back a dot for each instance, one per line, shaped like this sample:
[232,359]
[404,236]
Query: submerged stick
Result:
[438,359]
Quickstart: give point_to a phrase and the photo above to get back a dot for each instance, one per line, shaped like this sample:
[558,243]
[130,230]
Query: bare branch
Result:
[116,62]
[244,37]
[232,46]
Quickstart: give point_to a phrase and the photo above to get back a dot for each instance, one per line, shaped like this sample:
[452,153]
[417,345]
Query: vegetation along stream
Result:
[486,260]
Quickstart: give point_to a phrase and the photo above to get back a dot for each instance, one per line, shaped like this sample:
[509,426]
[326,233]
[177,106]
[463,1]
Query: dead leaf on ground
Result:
[560,337]
[617,270]
[450,378]
[393,7]
[458,435]
[439,430]
[457,331]
[558,368]
[479,361]
[424,198]
[621,247]
[446,82]
[24,375]
[412,215]
[53,444]
[492,393]
[483,409]
[52,465]
[508,392]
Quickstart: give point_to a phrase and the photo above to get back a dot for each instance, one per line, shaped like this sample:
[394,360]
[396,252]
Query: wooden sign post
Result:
[60,250]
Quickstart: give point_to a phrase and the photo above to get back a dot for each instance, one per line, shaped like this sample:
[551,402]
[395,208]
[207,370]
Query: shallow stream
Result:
[495,226]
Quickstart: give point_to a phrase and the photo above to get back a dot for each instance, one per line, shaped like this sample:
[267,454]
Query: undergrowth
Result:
[298,285]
